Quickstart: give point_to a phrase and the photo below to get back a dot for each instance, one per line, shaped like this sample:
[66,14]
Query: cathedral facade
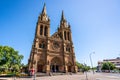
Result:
[53,53]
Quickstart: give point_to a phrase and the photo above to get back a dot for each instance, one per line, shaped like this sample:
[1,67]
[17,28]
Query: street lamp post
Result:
[108,65]
[91,61]
[86,72]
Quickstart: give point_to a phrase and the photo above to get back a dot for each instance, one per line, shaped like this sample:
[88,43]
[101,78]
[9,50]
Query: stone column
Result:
[47,64]
[38,30]
[47,69]
[66,69]
[36,66]
[75,69]
[37,43]
[48,31]
[35,61]
[63,35]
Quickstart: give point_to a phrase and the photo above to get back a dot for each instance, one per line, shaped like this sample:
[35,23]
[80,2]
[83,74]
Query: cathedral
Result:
[53,53]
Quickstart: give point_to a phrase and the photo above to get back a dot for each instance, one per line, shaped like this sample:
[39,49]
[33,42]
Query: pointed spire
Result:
[62,17]
[63,22]
[43,16]
[44,9]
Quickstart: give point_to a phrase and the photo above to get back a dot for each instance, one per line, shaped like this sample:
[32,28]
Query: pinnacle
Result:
[62,17]
[44,9]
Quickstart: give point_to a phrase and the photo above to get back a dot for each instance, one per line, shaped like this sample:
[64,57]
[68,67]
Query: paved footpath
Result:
[97,76]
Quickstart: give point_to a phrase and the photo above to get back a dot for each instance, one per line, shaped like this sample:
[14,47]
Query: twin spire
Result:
[44,12]
[44,16]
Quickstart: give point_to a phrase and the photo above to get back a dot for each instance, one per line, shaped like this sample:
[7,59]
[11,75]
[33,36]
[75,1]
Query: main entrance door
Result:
[69,64]
[40,65]
[69,68]
[55,64]
[54,68]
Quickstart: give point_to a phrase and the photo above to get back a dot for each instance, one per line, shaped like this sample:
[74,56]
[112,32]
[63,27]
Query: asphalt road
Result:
[107,76]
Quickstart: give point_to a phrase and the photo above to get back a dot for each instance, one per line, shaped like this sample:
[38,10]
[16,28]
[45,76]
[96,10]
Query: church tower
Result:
[64,29]
[39,48]
[53,53]
[43,25]
[68,50]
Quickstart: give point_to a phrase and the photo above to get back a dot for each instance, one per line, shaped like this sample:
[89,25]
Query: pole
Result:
[86,72]
[91,61]
[119,58]
[108,65]
[35,71]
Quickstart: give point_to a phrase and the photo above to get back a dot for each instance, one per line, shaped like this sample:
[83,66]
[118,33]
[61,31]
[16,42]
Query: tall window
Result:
[68,49]
[68,36]
[65,35]
[41,29]
[45,31]
[60,34]
[42,45]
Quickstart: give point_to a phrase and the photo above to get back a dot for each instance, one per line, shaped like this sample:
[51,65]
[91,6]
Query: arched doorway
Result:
[69,66]
[40,66]
[55,64]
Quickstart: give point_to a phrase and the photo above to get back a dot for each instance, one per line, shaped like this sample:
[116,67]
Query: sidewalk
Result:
[96,76]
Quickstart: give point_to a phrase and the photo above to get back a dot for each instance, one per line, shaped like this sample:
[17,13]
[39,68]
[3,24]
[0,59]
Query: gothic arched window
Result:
[65,35]
[41,29]
[68,49]
[60,34]
[68,36]
[45,31]
[41,45]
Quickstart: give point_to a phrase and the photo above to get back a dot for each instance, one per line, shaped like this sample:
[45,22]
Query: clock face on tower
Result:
[55,45]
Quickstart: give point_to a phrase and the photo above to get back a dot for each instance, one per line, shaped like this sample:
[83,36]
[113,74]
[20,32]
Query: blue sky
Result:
[95,25]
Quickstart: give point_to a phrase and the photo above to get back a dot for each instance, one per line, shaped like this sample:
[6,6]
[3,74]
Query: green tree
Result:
[82,67]
[108,66]
[24,68]
[86,68]
[9,59]
[79,65]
